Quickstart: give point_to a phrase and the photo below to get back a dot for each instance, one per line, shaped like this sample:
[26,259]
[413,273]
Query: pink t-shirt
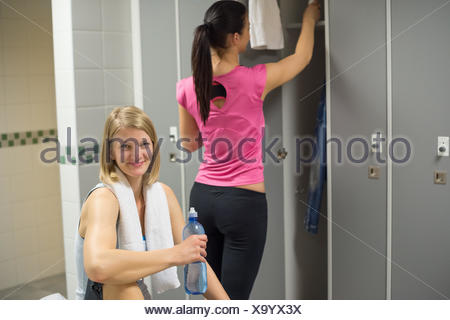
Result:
[233,134]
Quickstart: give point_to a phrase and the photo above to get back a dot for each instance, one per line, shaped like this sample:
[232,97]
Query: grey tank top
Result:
[82,278]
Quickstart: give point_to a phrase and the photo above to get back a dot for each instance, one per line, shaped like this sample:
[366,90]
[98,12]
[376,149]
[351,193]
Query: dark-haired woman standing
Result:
[220,108]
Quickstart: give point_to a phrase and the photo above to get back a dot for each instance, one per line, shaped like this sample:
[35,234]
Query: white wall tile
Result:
[88,52]
[4,158]
[21,189]
[118,52]
[49,210]
[116,15]
[3,128]
[69,184]
[6,219]
[43,156]
[7,246]
[5,189]
[87,15]
[15,32]
[26,242]
[15,61]
[51,262]
[90,123]
[8,276]
[19,160]
[48,178]
[43,115]
[88,178]
[42,88]
[89,88]
[41,61]
[24,215]
[2,82]
[40,34]
[16,90]
[119,87]
[13,9]
[50,237]
[27,268]
[39,9]
[18,117]
[38,164]
[108,110]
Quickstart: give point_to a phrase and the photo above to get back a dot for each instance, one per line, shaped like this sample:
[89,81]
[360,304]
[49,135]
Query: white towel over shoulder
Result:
[158,230]
[266,31]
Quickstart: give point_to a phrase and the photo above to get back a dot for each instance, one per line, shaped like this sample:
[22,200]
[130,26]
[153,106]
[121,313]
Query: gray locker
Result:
[421,99]
[358,109]
[389,71]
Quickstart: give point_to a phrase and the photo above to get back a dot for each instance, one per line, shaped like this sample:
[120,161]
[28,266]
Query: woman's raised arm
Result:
[278,73]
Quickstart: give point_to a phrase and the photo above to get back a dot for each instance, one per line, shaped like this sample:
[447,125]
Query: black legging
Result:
[235,221]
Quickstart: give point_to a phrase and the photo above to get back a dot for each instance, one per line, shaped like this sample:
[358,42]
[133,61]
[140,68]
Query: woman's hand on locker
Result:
[312,12]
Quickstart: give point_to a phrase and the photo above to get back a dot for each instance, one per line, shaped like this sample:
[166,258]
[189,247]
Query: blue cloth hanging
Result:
[318,171]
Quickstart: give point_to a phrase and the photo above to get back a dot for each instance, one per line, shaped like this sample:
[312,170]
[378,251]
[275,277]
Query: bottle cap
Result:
[192,213]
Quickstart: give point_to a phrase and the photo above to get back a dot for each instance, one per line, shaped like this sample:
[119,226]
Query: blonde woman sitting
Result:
[131,225]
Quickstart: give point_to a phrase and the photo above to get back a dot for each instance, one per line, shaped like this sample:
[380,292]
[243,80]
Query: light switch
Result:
[376,142]
[443,147]
[173,135]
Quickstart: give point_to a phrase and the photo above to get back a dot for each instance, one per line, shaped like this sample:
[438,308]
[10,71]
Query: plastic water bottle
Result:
[194,273]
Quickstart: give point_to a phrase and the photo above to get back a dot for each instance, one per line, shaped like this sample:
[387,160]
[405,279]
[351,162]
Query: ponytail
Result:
[202,69]
[222,18]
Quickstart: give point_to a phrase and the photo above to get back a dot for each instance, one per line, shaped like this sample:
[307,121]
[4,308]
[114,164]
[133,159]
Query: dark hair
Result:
[222,18]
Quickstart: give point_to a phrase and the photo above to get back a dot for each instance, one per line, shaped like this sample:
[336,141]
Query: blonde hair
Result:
[127,117]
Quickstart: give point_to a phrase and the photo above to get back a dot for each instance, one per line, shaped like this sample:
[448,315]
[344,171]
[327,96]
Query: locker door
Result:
[421,214]
[357,34]
[190,16]
[305,253]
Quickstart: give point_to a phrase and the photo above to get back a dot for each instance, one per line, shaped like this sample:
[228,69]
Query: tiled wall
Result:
[93,73]
[31,244]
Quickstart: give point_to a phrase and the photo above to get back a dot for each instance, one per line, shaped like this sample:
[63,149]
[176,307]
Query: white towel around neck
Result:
[158,230]
[266,31]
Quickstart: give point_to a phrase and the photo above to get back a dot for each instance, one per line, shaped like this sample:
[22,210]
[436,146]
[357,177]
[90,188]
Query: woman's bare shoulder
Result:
[168,190]
[101,204]
[170,195]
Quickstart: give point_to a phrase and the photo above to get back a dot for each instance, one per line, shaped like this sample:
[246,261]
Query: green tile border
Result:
[20,139]
[86,154]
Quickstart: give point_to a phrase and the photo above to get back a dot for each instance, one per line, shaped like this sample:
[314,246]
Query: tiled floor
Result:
[37,289]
